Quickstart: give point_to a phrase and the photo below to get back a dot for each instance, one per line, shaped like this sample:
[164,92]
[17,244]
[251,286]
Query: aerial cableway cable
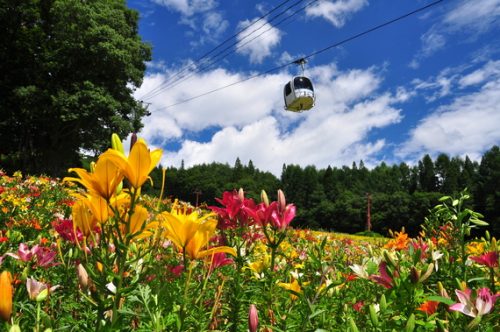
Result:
[206,55]
[346,40]
[217,57]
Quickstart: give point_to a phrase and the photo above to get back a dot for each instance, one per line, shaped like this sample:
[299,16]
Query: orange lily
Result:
[191,233]
[5,295]
[102,181]
[138,165]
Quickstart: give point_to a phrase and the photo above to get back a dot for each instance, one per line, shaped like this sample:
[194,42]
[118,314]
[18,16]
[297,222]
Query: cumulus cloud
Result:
[336,12]
[248,120]
[258,41]
[466,125]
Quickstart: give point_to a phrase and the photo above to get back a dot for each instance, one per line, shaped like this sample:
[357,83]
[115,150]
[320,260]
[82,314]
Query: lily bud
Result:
[42,295]
[373,315]
[414,275]
[263,198]
[241,194]
[281,200]
[133,139]
[5,295]
[442,291]
[352,325]
[388,258]
[410,324]
[83,276]
[253,318]
[116,143]
[92,167]
[383,303]
[15,328]
[427,273]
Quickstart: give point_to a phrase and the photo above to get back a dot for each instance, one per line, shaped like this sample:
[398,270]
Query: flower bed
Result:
[102,256]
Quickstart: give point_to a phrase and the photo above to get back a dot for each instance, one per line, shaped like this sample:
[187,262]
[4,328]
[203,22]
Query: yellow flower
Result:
[83,218]
[190,232]
[293,286]
[138,165]
[5,295]
[102,182]
[136,220]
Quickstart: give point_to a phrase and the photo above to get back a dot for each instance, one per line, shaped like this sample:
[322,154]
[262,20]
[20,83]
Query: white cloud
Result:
[257,41]
[214,24]
[250,122]
[490,70]
[336,12]
[188,7]
[432,41]
[467,18]
[478,15]
[467,125]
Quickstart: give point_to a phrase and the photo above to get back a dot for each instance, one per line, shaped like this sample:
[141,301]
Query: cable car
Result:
[299,92]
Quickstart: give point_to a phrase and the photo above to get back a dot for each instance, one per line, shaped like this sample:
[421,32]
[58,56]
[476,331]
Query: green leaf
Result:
[441,299]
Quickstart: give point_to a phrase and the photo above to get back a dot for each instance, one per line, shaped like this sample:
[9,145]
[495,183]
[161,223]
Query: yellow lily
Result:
[190,232]
[138,165]
[83,217]
[293,286]
[137,220]
[102,181]
[5,295]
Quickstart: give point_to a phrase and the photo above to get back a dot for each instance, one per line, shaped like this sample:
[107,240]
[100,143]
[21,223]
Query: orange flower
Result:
[429,307]
[5,295]
[399,242]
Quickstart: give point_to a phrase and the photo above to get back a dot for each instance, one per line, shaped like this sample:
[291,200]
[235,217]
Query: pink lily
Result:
[219,259]
[481,304]
[35,287]
[384,279]
[489,259]
[234,211]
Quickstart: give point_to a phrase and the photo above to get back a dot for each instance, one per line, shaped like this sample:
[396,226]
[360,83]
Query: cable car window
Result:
[288,89]
[302,83]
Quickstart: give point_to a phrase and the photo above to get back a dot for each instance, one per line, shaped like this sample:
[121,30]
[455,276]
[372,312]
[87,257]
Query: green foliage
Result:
[336,198]
[68,70]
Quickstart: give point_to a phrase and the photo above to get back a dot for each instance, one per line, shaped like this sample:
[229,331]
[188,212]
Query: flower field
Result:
[92,253]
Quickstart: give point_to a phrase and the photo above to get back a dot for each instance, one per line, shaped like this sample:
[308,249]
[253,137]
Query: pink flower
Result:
[218,260]
[383,279]
[64,227]
[481,304]
[35,288]
[489,259]
[44,256]
[234,211]
[253,318]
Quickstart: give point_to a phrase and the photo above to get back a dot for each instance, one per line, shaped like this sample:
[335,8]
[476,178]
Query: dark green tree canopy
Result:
[68,70]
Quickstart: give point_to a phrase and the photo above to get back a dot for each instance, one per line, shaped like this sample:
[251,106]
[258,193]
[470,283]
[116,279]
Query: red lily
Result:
[234,212]
[489,259]
[384,279]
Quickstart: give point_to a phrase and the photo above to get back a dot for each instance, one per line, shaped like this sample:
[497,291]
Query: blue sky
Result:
[427,84]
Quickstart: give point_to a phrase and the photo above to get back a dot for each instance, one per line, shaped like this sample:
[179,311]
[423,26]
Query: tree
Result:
[487,195]
[427,175]
[68,71]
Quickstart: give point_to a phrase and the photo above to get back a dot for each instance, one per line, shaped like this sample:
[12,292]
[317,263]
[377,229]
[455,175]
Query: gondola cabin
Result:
[299,94]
